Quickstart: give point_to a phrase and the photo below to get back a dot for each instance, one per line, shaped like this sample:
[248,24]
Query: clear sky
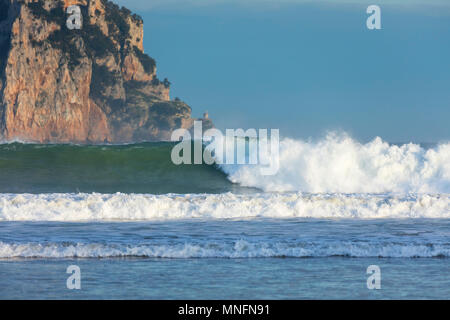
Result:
[307,67]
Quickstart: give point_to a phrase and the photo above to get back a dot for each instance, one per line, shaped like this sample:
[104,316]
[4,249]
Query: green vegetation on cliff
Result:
[95,42]
[101,78]
[55,15]
[111,89]
[90,40]
[117,23]
[147,62]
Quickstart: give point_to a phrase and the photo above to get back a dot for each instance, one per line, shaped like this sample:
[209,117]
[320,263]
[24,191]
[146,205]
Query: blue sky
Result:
[307,67]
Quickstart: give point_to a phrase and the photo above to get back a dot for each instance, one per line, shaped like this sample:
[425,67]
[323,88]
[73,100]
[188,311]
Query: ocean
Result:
[140,227]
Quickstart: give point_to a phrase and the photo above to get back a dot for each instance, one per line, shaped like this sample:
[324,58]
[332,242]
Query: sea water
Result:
[140,227]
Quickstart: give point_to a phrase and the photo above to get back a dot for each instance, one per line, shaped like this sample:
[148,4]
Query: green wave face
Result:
[138,168]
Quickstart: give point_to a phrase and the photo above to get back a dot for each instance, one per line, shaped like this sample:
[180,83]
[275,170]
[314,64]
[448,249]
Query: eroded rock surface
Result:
[92,85]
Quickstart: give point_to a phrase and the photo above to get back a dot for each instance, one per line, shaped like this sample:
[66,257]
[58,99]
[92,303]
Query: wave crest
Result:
[341,164]
[134,207]
[232,250]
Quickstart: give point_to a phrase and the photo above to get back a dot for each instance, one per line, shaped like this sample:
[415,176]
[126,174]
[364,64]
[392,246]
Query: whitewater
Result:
[239,249]
[340,164]
[130,218]
[139,207]
[336,177]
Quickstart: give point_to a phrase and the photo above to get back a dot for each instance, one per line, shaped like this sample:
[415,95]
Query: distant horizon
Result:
[306,68]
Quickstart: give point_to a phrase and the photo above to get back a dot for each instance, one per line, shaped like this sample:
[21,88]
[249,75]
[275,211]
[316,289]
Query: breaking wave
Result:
[232,250]
[341,164]
[141,207]
[335,164]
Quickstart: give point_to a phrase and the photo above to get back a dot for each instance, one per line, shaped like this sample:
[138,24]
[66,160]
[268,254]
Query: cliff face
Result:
[91,85]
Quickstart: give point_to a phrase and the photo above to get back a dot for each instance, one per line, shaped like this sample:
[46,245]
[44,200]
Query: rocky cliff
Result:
[88,85]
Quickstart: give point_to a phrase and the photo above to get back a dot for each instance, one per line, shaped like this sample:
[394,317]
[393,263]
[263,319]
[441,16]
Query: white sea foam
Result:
[341,164]
[134,207]
[236,249]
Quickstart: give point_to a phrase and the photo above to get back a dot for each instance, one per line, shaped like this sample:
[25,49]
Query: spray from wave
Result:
[336,164]
[341,164]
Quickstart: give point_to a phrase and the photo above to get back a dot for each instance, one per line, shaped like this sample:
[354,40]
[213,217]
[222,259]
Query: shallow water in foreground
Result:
[214,278]
[227,259]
